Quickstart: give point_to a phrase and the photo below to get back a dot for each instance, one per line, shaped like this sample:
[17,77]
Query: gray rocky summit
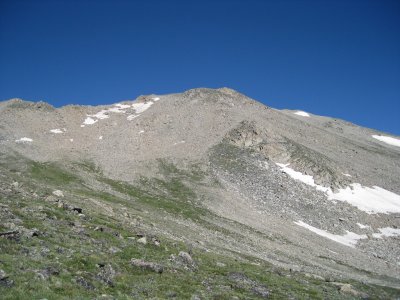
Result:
[213,170]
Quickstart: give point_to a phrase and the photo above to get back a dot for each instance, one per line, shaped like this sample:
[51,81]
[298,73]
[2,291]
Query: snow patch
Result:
[122,106]
[388,140]
[363,226]
[100,137]
[56,130]
[89,121]
[371,200]
[141,131]
[24,140]
[181,142]
[302,113]
[347,175]
[349,239]
[307,179]
[142,106]
[101,115]
[119,108]
[105,113]
[71,140]
[387,231]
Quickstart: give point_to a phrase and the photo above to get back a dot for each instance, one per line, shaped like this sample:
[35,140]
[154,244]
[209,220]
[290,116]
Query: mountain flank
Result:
[205,194]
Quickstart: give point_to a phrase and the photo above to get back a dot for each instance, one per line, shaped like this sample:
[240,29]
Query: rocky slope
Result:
[206,194]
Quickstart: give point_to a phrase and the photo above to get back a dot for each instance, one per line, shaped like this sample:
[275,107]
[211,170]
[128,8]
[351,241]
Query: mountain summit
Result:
[205,194]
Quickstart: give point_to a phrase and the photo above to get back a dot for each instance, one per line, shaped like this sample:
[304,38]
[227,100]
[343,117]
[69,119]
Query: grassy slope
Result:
[83,257]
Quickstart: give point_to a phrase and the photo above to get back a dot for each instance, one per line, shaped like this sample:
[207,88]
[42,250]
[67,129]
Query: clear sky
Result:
[335,58]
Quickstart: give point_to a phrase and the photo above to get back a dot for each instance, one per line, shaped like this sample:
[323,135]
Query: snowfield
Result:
[307,179]
[388,140]
[120,108]
[387,231]
[302,113]
[89,121]
[349,239]
[371,200]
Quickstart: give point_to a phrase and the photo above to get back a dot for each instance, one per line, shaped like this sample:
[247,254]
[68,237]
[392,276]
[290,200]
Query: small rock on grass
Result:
[142,240]
[3,275]
[145,265]
[58,193]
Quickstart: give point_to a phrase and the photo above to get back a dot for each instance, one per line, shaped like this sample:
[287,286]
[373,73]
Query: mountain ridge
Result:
[215,170]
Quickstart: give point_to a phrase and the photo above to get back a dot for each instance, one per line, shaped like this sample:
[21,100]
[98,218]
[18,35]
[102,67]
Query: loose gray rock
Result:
[145,265]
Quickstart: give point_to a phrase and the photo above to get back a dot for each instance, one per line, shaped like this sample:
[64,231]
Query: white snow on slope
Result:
[56,130]
[387,231]
[119,108]
[349,239]
[177,143]
[388,140]
[122,106]
[89,121]
[347,175]
[142,106]
[307,179]
[371,200]
[100,137]
[362,226]
[302,113]
[24,140]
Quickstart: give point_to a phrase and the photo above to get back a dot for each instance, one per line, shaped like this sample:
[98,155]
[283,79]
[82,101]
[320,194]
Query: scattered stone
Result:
[9,234]
[156,241]
[106,275]
[33,232]
[114,250]
[84,283]
[77,209]
[147,265]
[346,288]
[220,264]
[184,260]
[58,193]
[15,184]
[47,272]
[2,275]
[142,240]
[171,294]
[4,280]
[309,275]
[195,297]
[243,282]
[185,257]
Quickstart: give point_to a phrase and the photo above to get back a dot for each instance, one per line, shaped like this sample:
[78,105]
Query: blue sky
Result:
[335,58]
